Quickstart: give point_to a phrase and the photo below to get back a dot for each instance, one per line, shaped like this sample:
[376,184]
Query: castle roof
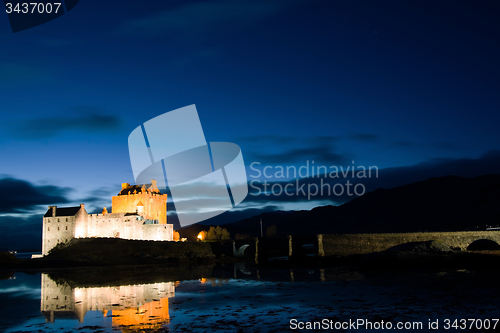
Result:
[131,188]
[65,211]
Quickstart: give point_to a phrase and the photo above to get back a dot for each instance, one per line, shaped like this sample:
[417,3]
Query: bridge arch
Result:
[483,244]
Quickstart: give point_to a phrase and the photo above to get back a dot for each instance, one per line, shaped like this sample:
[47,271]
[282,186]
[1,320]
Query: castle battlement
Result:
[138,212]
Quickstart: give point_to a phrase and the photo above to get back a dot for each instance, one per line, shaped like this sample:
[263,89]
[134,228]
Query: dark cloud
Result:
[236,215]
[364,137]
[200,18]
[289,140]
[444,146]
[91,120]
[99,198]
[23,234]
[292,150]
[319,153]
[268,139]
[404,144]
[20,196]
[489,163]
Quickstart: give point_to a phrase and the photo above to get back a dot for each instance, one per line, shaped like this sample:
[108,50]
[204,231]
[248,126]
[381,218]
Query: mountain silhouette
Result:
[449,203]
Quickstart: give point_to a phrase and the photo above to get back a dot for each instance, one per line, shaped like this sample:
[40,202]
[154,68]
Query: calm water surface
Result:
[242,298]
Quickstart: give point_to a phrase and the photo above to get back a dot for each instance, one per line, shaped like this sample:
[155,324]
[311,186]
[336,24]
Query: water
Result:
[240,298]
[26,255]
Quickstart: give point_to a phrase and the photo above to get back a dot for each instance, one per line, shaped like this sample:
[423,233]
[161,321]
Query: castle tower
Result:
[148,202]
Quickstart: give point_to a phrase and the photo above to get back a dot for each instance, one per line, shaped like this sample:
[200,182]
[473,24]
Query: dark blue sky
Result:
[409,87]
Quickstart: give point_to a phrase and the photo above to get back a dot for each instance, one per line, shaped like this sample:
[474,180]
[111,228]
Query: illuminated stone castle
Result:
[138,212]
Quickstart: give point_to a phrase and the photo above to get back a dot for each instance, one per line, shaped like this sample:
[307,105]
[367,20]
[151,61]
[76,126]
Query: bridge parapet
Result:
[349,244]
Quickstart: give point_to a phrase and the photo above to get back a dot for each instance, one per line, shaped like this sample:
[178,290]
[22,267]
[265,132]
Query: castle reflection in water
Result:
[142,306]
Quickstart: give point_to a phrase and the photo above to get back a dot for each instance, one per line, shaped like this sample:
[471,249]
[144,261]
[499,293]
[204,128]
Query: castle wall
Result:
[81,219]
[119,225]
[155,205]
[158,232]
[56,230]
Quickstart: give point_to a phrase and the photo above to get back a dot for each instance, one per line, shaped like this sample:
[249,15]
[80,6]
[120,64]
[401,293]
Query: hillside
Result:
[445,203]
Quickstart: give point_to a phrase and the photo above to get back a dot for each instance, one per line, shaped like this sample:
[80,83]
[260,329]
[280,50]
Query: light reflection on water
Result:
[143,305]
[243,298]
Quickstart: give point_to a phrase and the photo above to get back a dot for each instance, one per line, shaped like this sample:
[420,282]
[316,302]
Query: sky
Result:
[410,88]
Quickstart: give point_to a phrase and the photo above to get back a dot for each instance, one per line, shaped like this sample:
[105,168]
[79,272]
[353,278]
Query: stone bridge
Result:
[349,244]
[261,249]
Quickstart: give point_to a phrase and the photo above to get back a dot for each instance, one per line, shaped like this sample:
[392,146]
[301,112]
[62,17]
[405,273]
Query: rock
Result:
[431,246]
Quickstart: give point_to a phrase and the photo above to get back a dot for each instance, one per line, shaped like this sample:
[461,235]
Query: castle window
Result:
[57,220]
[48,229]
[66,219]
[58,230]
[66,227]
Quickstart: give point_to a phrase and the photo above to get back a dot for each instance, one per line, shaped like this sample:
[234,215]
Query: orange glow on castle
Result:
[138,212]
[148,202]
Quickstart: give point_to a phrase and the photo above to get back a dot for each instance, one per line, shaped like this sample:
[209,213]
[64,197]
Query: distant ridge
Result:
[436,204]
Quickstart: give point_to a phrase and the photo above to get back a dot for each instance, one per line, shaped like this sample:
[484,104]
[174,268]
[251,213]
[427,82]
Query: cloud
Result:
[240,214]
[288,140]
[288,150]
[20,196]
[21,233]
[318,153]
[293,149]
[363,137]
[488,163]
[92,120]
[98,198]
[444,146]
[201,17]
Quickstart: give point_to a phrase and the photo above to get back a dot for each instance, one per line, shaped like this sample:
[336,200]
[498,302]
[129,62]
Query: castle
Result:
[138,212]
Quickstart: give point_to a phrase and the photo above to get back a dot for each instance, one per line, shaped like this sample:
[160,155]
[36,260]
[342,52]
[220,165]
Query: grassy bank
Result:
[114,251]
